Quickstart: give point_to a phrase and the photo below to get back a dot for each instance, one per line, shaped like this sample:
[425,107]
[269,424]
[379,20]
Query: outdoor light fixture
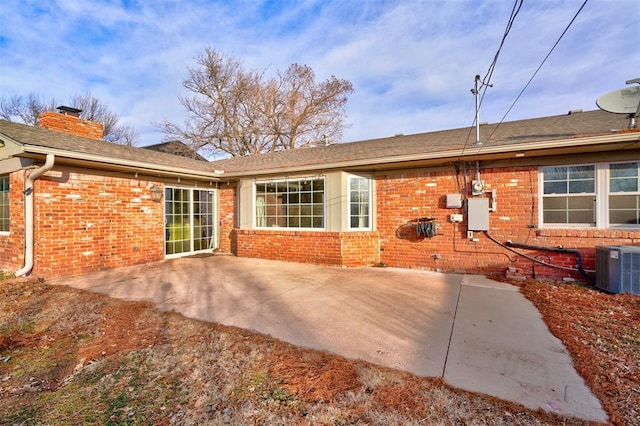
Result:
[156,193]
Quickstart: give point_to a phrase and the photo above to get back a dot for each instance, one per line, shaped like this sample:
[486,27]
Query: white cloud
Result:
[412,62]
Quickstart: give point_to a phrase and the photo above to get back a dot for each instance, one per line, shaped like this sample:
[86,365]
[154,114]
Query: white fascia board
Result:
[459,153]
[9,147]
[129,164]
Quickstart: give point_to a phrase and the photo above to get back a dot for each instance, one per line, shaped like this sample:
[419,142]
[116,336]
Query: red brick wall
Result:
[360,248]
[226,216]
[12,245]
[87,222]
[70,124]
[323,248]
[404,197]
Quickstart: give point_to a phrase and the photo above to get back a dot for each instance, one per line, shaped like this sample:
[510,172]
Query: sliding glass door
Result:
[190,220]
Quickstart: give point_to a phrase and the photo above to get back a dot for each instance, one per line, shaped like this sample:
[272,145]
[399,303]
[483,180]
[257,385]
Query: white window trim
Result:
[254,197]
[605,200]
[215,218]
[601,175]
[348,203]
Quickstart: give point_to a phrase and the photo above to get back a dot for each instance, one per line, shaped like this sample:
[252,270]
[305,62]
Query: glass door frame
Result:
[185,222]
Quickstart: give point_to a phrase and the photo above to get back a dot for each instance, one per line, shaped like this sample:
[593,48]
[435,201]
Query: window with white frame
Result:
[4,203]
[624,194]
[596,195]
[290,203]
[359,202]
[569,195]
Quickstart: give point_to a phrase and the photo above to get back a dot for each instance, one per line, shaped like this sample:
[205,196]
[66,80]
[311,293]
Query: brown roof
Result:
[39,137]
[507,136]
[176,148]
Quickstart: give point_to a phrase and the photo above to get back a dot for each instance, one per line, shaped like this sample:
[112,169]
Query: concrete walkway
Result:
[479,334]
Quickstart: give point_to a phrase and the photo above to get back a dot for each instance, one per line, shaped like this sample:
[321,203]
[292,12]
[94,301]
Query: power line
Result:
[486,81]
[538,69]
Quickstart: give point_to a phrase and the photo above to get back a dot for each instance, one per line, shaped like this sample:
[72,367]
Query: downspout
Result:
[29,213]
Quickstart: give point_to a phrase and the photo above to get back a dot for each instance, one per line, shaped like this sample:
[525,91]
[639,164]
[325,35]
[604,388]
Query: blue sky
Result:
[412,62]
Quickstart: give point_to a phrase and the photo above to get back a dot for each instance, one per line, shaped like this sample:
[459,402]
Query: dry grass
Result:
[72,357]
[602,333]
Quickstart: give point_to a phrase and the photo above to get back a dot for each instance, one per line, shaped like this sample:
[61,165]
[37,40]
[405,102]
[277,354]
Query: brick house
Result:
[534,199]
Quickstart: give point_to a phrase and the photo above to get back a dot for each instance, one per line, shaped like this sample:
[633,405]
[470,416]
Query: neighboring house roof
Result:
[176,148]
[28,141]
[536,135]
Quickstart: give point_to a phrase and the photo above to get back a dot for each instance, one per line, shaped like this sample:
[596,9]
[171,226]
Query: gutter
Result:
[29,213]
[149,168]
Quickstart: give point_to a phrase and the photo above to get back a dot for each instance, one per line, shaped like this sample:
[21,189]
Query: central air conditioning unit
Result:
[618,269]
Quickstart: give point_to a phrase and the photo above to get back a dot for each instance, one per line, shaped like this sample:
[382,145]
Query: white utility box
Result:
[456,218]
[478,214]
[454,201]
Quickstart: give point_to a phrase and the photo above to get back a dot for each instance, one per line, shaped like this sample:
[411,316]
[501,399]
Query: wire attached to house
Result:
[486,81]
[559,249]
[579,267]
[538,69]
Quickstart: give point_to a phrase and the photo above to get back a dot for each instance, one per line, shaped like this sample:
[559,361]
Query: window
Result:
[624,194]
[4,203]
[600,195]
[569,195]
[359,202]
[291,203]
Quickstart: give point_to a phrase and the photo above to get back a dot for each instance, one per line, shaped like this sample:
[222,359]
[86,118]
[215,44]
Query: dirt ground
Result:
[73,357]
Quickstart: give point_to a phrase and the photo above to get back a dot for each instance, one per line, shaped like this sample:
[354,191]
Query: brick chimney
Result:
[67,120]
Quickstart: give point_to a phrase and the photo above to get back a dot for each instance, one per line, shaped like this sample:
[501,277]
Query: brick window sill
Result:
[589,233]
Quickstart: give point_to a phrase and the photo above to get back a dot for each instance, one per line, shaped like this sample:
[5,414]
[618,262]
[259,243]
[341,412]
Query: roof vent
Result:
[574,111]
[397,135]
[65,110]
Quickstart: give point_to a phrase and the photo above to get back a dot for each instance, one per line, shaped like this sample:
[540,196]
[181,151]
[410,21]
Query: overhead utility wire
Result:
[538,69]
[486,81]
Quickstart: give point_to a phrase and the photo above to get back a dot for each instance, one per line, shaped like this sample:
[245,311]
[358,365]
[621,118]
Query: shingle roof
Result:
[508,135]
[36,136]
[176,148]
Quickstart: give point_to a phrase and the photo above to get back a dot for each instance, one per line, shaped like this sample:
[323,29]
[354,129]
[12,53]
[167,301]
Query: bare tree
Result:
[24,109]
[236,112]
[27,110]
[311,111]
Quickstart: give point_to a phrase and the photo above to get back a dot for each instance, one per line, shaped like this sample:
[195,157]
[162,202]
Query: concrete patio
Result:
[478,334]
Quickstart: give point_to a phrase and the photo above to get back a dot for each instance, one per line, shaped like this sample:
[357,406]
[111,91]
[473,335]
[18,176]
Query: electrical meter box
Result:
[478,214]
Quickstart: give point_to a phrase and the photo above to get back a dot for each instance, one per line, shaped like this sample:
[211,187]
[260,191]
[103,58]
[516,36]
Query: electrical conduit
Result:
[29,213]
[511,244]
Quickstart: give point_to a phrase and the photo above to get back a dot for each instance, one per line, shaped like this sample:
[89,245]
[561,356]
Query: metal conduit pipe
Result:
[526,256]
[29,213]
[559,249]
